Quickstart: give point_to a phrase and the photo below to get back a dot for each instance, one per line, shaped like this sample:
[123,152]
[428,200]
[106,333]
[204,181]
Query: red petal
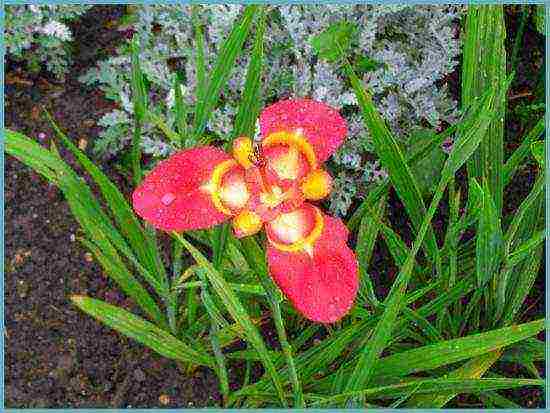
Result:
[170,197]
[322,125]
[323,286]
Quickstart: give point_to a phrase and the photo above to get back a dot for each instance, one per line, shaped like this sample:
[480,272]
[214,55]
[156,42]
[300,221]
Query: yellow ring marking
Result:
[295,138]
[213,186]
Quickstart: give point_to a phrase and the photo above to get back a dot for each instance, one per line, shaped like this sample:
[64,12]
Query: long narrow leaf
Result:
[142,331]
[394,161]
[256,259]
[127,221]
[237,311]
[225,63]
[429,386]
[249,107]
[484,65]
[473,369]
[461,151]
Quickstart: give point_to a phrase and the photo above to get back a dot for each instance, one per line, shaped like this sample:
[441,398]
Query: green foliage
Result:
[451,314]
[538,16]
[484,65]
[537,149]
[428,170]
[326,44]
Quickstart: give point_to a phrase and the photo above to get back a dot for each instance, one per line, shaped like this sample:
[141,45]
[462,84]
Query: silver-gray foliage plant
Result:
[39,34]
[415,48]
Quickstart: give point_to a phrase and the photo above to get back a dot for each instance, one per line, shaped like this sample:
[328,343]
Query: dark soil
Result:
[57,356]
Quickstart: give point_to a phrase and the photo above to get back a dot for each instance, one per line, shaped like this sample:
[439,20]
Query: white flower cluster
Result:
[44,27]
[56,29]
[412,49]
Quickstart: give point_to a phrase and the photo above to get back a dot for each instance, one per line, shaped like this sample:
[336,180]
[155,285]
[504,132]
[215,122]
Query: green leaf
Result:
[160,123]
[220,362]
[531,349]
[90,216]
[366,238]
[462,150]
[139,101]
[484,65]
[430,332]
[256,259]
[237,311]
[522,285]
[393,160]
[427,386]
[516,160]
[516,278]
[452,236]
[451,351]
[340,34]
[524,221]
[220,236]
[525,249]
[225,63]
[473,369]
[139,92]
[537,149]
[324,353]
[181,108]
[115,268]
[475,197]
[493,400]
[200,62]
[249,108]
[145,248]
[142,331]
[489,241]
[538,16]
[382,188]
[427,170]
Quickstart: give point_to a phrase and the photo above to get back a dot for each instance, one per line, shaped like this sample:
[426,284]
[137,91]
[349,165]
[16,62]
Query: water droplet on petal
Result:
[167,199]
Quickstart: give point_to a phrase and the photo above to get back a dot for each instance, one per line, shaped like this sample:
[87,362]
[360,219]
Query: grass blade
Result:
[181,108]
[521,287]
[139,101]
[489,240]
[90,216]
[394,162]
[418,154]
[517,158]
[142,331]
[250,105]
[366,238]
[427,386]
[200,62]
[256,259]
[140,242]
[220,362]
[237,311]
[493,400]
[473,369]
[231,48]
[460,153]
[484,65]
[451,351]
[220,236]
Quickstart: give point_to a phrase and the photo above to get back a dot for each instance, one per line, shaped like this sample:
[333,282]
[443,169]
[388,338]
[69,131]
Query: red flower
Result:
[268,185]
